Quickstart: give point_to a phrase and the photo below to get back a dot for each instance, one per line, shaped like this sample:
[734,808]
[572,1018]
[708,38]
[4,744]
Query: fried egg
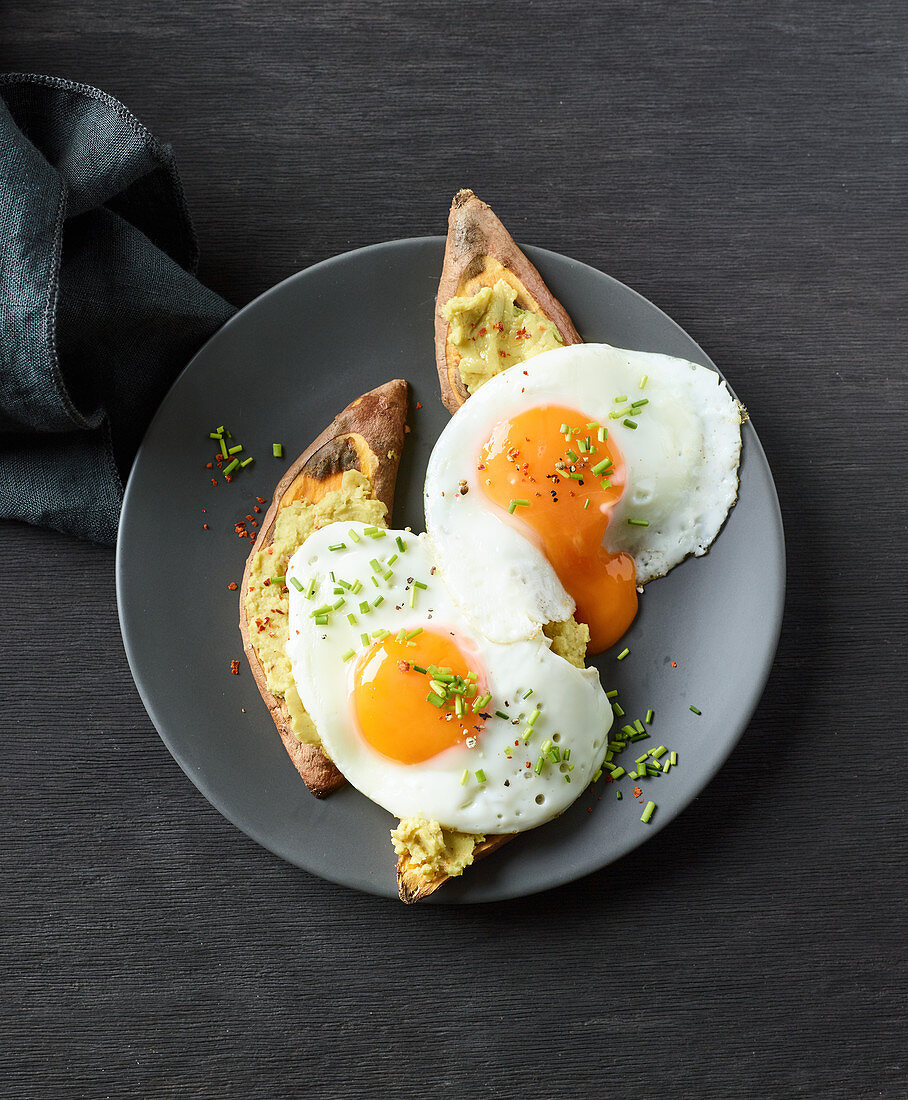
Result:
[569,480]
[420,711]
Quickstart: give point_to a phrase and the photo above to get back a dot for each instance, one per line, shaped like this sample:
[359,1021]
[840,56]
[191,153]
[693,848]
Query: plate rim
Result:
[570,874]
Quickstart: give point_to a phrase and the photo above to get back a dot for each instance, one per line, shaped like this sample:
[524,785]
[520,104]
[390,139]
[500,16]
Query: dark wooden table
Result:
[744,166]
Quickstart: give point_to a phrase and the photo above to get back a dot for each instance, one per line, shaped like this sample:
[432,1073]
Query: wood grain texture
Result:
[743,165]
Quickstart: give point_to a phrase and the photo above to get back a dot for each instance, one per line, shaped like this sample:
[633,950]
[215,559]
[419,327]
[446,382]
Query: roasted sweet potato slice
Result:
[367,437]
[479,252]
[413,886]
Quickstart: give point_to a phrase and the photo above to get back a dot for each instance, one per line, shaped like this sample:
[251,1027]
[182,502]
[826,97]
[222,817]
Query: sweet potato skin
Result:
[478,251]
[367,436]
[412,888]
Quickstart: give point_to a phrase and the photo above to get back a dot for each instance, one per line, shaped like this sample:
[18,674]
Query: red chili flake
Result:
[637,792]
[232,586]
[404,666]
[235,667]
[528,764]
[522,332]
[213,482]
[504,354]
[256,508]
[498,325]
[674,665]
[228,478]
[261,500]
[483,331]
[249,518]
[208,465]
[267,582]
[255,523]
[419,404]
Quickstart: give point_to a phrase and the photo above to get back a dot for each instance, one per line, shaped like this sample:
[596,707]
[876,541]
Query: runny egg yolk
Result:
[390,696]
[543,481]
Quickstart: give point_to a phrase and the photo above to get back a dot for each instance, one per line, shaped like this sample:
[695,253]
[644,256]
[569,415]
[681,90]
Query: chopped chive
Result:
[214,435]
[629,423]
[527,693]
[623,397]
[564,429]
[419,584]
[648,812]
[353,535]
[695,711]
[649,716]
[246,461]
[601,467]
[582,447]
[364,638]
[666,765]
[597,776]
[356,587]
[369,530]
[539,765]
[378,601]
[606,484]
[296,584]
[465,777]
[516,503]
[501,714]
[364,608]
[673,758]
[602,434]
[377,533]
[643,381]
[345,585]
[586,503]
[640,759]
[618,772]
[310,589]
[392,559]
[348,653]
[534,717]
[567,779]
[639,404]
[380,635]
[223,446]
[401,545]
[333,578]
[656,753]
[352,619]
[321,620]
[623,654]
[377,567]
[235,450]
[629,730]
[231,466]
[613,694]
[638,522]
[618,709]
[419,668]
[435,699]
[480,775]
[279,581]
[638,726]
[387,575]
[413,633]
[413,591]
[633,775]
[338,591]
[618,795]
[573,457]
[277,449]
[338,604]
[338,546]
[374,580]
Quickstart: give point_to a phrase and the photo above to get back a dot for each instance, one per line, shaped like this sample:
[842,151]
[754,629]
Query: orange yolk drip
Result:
[390,698]
[529,459]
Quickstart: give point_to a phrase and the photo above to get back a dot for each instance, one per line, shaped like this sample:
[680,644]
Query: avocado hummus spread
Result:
[267,604]
[491,333]
[569,640]
[433,850]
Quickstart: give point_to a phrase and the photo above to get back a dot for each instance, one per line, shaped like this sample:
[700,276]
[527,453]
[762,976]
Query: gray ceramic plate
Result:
[279,371]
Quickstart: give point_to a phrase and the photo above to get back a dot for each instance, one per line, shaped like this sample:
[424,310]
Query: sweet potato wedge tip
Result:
[479,251]
[367,436]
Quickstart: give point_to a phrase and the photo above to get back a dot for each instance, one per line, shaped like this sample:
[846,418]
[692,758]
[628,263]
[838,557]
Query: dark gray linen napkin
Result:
[99,306]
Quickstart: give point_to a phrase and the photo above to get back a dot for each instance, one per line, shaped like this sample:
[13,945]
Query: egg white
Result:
[681,462]
[513,798]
